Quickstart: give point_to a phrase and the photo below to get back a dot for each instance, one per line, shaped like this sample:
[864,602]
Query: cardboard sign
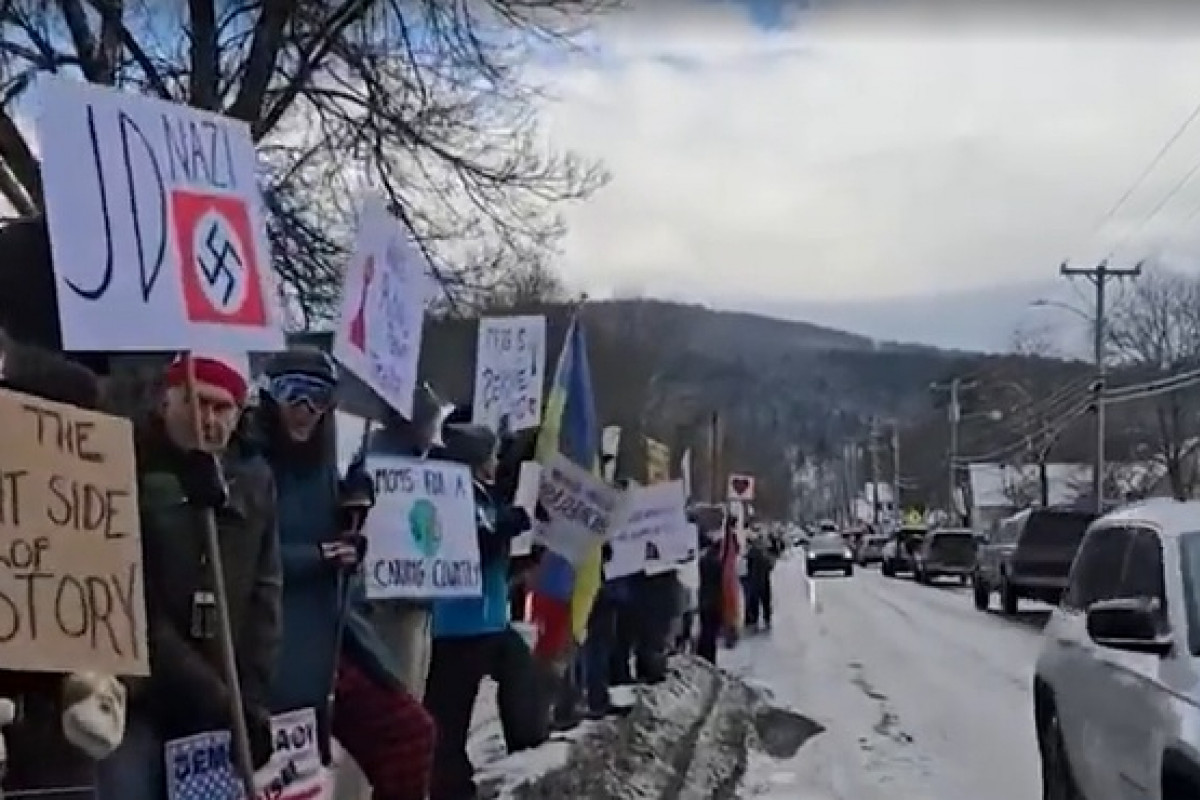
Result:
[200,767]
[654,535]
[422,531]
[387,286]
[581,507]
[740,487]
[156,224]
[510,365]
[71,591]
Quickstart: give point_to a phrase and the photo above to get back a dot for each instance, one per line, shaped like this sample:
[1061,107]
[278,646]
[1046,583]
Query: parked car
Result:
[870,550]
[945,553]
[1029,556]
[1116,701]
[828,552]
[897,554]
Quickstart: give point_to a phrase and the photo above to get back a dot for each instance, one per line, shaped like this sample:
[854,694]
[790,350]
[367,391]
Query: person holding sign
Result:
[470,634]
[186,692]
[384,729]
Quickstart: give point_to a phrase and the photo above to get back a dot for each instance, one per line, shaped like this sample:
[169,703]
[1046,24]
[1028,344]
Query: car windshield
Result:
[829,541]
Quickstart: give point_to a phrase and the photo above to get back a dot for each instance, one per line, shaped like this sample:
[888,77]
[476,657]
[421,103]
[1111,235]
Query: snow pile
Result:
[689,738]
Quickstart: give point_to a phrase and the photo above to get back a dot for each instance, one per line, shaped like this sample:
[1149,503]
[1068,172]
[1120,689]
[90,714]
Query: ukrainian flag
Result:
[563,592]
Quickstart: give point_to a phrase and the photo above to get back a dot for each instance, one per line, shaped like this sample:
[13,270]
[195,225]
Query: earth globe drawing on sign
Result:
[426,527]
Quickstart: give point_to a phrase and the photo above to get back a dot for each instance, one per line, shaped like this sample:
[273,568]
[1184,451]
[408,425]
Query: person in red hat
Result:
[184,470]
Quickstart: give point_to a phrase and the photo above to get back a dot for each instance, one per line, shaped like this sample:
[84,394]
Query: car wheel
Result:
[983,595]
[810,571]
[849,570]
[1008,597]
[963,579]
[1057,781]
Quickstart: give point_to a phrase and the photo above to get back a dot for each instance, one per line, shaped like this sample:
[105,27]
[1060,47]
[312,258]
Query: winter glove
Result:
[203,480]
[258,731]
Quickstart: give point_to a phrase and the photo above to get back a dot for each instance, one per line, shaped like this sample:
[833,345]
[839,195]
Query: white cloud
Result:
[832,162]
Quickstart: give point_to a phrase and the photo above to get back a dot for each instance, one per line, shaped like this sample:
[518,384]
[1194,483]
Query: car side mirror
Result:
[1132,624]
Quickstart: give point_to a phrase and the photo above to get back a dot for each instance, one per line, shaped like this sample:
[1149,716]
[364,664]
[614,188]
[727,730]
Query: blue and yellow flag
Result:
[564,592]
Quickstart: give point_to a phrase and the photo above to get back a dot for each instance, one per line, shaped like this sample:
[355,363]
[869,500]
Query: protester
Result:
[331,657]
[470,634]
[181,475]
[406,625]
[761,556]
[598,647]
[65,721]
[712,602]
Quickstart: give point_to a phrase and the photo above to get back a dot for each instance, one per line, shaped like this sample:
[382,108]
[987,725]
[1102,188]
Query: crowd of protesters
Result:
[393,683]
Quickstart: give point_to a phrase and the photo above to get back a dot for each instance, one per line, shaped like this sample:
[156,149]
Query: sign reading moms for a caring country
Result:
[70,544]
[654,531]
[581,507]
[384,294]
[422,531]
[199,767]
[156,223]
[740,487]
[510,365]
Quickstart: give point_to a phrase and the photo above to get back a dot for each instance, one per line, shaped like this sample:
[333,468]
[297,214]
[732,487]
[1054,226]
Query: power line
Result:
[1154,162]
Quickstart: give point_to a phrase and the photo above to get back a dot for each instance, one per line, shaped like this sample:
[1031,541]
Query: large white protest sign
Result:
[653,534]
[422,531]
[156,224]
[529,480]
[199,767]
[510,364]
[581,507]
[384,294]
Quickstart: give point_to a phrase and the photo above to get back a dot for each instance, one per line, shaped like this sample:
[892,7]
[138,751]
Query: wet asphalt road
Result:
[924,697]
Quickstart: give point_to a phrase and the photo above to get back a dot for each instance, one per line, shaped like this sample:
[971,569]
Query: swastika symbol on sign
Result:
[221,263]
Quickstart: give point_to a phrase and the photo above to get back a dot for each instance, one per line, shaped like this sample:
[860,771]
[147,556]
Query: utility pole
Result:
[873,444]
[714,457]
[954,416]
[896,469]
[1099,276]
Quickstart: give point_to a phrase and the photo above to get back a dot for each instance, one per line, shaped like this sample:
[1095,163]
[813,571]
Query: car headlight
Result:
[847,554]
[811,554]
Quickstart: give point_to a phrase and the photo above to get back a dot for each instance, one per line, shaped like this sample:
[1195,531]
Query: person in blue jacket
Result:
[470,634]
[331,658]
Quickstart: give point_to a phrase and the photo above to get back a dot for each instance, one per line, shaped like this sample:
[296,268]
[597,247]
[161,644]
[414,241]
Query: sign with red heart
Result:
[741,487]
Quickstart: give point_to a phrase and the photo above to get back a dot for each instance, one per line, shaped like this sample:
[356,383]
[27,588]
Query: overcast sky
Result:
[763,153]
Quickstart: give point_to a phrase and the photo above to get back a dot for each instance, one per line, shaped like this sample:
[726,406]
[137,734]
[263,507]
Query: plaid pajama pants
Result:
[387,732]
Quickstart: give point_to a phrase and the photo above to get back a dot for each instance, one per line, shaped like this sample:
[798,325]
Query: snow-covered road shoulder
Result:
[689,738]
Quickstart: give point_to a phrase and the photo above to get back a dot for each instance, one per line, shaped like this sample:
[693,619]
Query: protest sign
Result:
[422,531]
[528,481]
[199,767]
[156,223]
[384,294]
[510,364]
[740,487]
[581,508]
[654,532]
[71,591]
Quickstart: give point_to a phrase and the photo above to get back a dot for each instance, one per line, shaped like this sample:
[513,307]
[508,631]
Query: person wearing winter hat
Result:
[332,659]
[470,634]
[407,625]
[184,470]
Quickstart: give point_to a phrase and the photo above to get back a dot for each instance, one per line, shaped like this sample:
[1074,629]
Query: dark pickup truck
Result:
[948,553]
[1029,556]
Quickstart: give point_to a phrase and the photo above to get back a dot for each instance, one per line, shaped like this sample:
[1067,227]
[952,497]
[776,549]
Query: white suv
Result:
[1117,687]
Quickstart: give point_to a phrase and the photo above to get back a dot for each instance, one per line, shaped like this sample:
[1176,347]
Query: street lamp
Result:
[1044,303]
